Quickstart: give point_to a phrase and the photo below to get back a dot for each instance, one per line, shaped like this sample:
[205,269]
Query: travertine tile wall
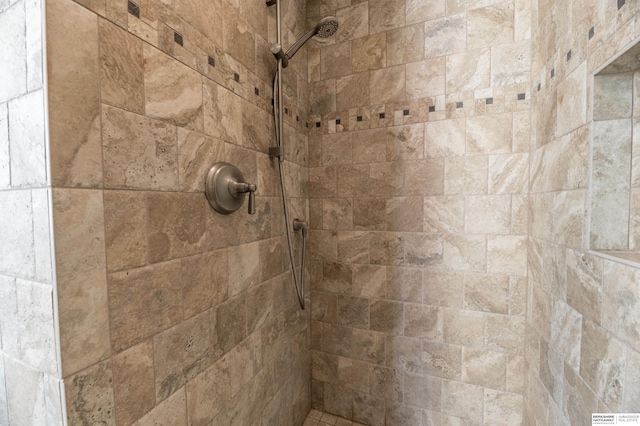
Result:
[171,313]
[419,161]
[582,331]
[30,385]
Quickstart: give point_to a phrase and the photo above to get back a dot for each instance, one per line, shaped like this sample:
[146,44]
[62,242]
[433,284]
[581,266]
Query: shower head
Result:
[325,28]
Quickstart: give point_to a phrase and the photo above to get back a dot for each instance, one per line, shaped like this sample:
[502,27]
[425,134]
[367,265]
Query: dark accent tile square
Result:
[489,101]
[178,39]
[133,9]
[256,91]
[212,61]
[539,86]
[359,118]
[271,101]
[382,115]
[306,125]
[459,104]
[620,3]
[297,118]
[553,72]
[568,56]
[338,121]
[405,112]
[317,124]
[286,111]
[236,77]
[521,96]
[432,108]
[592,32]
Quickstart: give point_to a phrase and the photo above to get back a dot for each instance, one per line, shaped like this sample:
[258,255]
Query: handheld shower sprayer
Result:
[323,29]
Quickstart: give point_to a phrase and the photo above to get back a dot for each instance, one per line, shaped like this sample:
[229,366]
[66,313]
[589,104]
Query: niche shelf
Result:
[614,223]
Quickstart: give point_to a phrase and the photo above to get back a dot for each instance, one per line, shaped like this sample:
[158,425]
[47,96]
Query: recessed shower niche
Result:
[615,158]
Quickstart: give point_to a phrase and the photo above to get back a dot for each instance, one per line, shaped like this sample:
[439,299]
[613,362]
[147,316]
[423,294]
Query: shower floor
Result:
[318,418]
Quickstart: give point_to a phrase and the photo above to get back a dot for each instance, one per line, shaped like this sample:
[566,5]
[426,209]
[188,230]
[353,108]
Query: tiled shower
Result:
[441,151]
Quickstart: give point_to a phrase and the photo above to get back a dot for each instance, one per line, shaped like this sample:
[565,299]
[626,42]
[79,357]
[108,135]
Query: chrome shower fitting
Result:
[226,188]
[325,28]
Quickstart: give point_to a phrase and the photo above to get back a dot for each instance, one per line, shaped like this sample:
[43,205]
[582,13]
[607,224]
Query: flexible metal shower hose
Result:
[299,284]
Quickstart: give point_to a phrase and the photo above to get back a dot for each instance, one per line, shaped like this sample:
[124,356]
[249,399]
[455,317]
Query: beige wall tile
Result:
[181,352]
[353,246]
[133,382]
[205,281]
[425,78]
[369,53]
[572,93]
[487,214]
[220,106]
[466,175]
[502,407]
[171,411]
[422,391]
[602,361]
[352,91]
[139,311]
[405,142]
[620,281]
[443,214]
[386,15]
[511,62]
[445,36]
[404,284]
[138,152]
[239,40]
[442,360]
[508,174]
[487,293]
[577,397]
[74,98]
[418,11]
[176,225]
[469,70]
[386,179]
[463,327]
[484,368]
[125,219]
[507,254]
[388,84]
[89,395]
[369,281]
[121,65]
[386,316]
[631,391]
[244,266]
[405,45]
[505,333]
[404,214]
[173,92]
[444,138]
[81,274]
[490,25]
[465,253]
[610,188]
[423,322]
[335,60]
[337,149]
[354,22]
[489,135]
[462,400]
[353,312]
[612,96]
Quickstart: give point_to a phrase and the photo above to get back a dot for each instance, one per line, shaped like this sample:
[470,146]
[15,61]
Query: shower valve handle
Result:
[225,189]
[243,187]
